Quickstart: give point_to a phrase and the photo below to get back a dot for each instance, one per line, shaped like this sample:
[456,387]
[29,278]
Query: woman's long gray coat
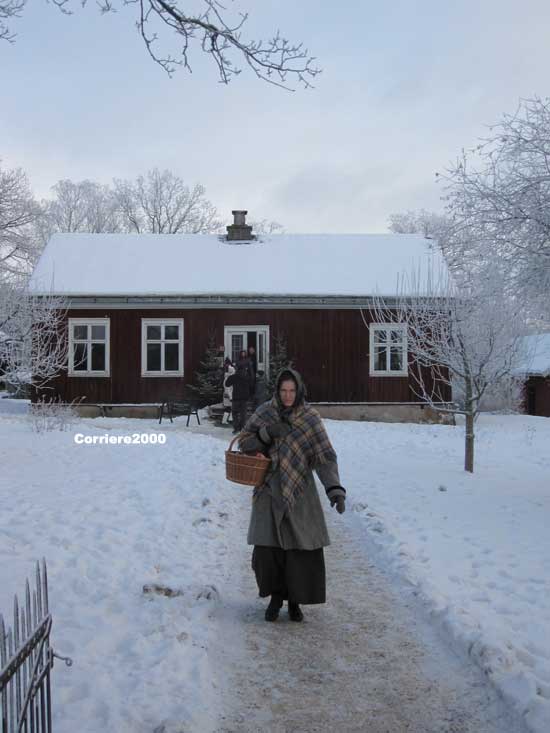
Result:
[304,528]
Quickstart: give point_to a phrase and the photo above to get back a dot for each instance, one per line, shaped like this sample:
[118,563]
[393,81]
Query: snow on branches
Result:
[19,212]
[498,196]
[33,339]
[468,338]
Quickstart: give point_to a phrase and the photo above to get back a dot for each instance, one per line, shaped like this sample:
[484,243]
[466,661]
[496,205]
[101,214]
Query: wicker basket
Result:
[243,469]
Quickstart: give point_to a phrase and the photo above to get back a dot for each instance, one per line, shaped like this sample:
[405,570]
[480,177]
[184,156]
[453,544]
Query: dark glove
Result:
[340,502]
[268,433]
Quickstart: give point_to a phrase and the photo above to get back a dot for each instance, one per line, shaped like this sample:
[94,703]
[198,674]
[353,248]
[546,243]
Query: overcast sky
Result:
[405,85]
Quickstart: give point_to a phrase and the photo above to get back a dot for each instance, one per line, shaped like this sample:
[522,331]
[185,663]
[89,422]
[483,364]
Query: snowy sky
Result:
[405,86]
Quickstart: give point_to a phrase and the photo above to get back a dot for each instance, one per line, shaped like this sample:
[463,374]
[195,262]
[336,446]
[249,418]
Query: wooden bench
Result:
[106,407]
[171,408]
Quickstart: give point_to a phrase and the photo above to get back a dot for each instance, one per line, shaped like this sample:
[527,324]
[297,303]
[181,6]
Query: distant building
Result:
[536,374]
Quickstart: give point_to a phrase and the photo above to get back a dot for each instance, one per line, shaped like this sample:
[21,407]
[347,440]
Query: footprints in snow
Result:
[374,526]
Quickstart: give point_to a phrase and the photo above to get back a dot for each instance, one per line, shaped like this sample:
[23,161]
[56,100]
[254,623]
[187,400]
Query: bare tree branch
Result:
[9,9]
[276,60]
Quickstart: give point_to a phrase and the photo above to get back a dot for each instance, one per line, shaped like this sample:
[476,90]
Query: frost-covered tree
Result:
[265,226]
[428,224]
[19,213]
[467,338]
[79,206]
[157,203]
[33,343]
[161,203]
[444,232]
[207,25]
[498,196]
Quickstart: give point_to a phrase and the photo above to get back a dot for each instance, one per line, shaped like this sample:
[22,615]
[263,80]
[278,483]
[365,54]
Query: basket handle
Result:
[234,439]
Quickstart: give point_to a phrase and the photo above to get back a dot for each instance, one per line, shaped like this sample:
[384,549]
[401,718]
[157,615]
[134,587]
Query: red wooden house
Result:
[142,307]
[536,375]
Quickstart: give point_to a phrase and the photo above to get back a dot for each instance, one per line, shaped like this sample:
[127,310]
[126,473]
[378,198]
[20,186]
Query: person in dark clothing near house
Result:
[240,382]
[260,389]
[245,361]
[287,524]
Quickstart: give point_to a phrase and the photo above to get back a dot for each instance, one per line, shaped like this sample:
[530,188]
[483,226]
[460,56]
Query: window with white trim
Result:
[388,350]
[89,347]
[162,347]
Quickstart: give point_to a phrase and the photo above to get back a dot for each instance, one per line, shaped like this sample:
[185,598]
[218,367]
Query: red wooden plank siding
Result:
[539,401]
[329,347]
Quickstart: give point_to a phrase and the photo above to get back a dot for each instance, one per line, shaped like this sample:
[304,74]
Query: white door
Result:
[238,338]
[262,341]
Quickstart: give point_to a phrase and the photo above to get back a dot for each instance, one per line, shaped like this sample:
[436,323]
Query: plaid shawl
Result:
[304,448]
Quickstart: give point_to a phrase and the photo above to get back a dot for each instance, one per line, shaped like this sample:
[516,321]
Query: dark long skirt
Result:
[298,575]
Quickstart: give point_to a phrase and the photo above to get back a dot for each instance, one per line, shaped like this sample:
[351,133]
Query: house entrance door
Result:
[531,394]
[239,338]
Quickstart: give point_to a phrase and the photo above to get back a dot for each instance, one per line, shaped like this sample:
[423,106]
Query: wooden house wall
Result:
[329,347]
[537,396]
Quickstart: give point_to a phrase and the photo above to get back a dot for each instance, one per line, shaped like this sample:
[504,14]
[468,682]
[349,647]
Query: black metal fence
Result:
[26,659]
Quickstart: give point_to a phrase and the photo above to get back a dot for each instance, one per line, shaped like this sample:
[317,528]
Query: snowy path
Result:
[366,660]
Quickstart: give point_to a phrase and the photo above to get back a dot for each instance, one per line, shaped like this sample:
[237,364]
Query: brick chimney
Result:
[239,231]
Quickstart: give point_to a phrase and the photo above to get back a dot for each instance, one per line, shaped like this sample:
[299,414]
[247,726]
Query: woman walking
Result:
[287,524]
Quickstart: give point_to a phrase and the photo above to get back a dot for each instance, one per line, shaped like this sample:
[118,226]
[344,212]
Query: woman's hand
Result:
[338,498]
[340,502]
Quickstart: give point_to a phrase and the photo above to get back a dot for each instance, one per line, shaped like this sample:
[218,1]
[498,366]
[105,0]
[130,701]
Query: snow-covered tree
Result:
[207,25]
[428,224]
[33,346]
[19,213]
[79,206]
[468,339]
[30,352]
[445,233]
[265,226]
[161,203]
[498,196]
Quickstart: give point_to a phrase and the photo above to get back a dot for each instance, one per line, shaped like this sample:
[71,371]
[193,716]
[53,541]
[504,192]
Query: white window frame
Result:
[90,322]
[161,322]
[373,328]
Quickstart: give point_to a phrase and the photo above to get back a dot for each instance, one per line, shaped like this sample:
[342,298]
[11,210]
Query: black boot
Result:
[295,612]
[272,611]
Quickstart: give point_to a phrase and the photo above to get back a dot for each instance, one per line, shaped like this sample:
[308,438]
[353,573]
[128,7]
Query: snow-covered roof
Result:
[199,264]
[536,348]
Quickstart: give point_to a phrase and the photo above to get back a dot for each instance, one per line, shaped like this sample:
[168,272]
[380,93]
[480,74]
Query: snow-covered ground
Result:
[113,518]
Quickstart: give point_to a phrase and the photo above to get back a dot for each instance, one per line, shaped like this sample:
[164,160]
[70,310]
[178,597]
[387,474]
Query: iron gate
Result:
[26,659]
